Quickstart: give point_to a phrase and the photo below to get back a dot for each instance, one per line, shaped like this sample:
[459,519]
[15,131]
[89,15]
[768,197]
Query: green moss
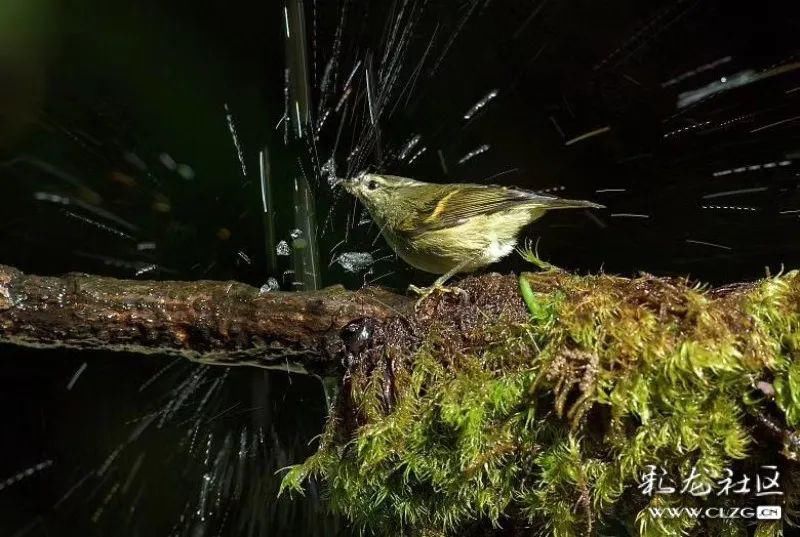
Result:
[551,423]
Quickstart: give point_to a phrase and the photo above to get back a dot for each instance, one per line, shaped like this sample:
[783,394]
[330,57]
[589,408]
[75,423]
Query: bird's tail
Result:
[548,203]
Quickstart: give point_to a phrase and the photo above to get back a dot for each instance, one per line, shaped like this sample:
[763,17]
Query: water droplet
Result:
[185,171]
[167,161]
[135,160]
[146,269]
[271,285]
[355,261]
[329,172]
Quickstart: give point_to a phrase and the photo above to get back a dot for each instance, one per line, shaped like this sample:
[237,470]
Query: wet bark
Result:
[225,323]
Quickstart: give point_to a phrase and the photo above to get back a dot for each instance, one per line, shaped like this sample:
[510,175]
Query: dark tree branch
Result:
[226,323]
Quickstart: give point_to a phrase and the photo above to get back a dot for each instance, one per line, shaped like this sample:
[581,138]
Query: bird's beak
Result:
[351,183]
[348,184]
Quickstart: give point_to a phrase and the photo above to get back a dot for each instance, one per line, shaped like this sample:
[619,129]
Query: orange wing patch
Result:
[440,207]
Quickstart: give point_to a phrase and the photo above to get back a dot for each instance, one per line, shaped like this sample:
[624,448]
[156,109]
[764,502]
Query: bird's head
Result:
[379,193]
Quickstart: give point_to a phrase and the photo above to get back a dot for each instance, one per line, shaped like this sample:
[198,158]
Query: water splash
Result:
[271,285]
[355,262]
[328,172]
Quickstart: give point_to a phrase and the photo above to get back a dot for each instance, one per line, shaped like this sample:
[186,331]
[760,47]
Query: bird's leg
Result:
[438,285]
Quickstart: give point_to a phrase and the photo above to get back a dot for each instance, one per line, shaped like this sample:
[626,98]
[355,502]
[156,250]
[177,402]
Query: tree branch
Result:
[226,323]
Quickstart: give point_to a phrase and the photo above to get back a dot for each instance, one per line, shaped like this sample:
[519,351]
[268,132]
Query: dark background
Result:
[94,93]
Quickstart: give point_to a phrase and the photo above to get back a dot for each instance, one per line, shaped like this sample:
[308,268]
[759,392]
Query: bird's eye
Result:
[372,185]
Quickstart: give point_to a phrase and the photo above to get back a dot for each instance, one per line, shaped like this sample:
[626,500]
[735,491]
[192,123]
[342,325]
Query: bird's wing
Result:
[455,205]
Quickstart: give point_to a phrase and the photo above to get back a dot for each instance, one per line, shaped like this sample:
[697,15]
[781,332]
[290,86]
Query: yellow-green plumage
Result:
[448,228]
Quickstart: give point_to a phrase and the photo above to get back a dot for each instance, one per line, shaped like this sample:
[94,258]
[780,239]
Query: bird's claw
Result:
[425,292]
[421,291]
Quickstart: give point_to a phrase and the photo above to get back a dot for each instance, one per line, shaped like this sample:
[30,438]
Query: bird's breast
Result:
[476,243]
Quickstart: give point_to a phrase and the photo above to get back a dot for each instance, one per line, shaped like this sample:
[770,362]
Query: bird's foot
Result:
[425,292]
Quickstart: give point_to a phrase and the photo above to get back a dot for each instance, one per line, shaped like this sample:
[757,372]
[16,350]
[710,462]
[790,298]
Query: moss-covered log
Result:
[224,323]
[521,406]
[550,414]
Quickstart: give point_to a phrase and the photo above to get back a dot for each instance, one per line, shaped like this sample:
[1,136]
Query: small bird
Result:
[451,228]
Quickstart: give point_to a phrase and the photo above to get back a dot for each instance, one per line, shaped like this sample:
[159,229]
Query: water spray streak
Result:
[474,153]
[235,137]
[585,136]
[77,375]
[735,192]
[98,225]
[25,474]
[711,244]
[480,105]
